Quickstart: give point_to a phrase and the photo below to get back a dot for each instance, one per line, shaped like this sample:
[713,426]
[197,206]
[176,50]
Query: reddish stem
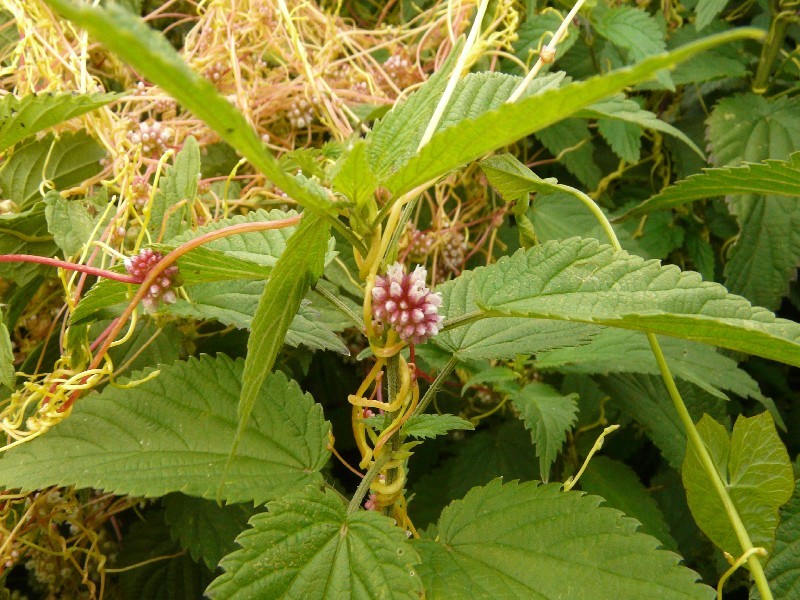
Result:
[54,262]
[163,265]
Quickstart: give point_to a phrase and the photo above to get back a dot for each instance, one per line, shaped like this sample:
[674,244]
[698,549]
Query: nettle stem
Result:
[392,387]
[686,420]
[772,45]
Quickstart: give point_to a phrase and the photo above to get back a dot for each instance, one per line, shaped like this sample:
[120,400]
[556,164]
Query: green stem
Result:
[711,470]
[431,392]
[341,306]
[772,45]
[363,487]
[461,320]
[686,420]
[393,386]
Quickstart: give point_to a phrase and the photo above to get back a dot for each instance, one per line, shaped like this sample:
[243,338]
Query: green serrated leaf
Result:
[536,32]
[644,399]
[751,128]
[23,117]
[696,363]
[628,111]
[260,247]
[783,568]
[430,426]
[490,375]
[455,146]
[67,161]
[498,338]
[548,415]
[297,269]
[394,139]
[243,256]
[707,11]
[177,189]
[307,546]
[634,31]
[204,528]
[7,370]
[25,233]
[755,468]
[571,141]
[585,281]
[719,63]
[353,177]
[156,60]
[172,433]
[621,488]
[175,578]
[68,221]
[535,541]
[625,139]
[767,178]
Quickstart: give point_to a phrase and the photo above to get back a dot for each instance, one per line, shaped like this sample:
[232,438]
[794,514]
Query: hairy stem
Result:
[393,385]
[363,487]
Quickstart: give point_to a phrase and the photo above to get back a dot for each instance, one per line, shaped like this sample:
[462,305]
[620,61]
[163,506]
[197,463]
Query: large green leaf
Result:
[173,433]
[297,269]
[499,338]
[696,363]
[755,468]
[751,128]
[620,487]
[768,178]
[472,138]
[783,568]
[531,541]
[548,415]
[23,117]
[67,161]
[156,60]
[308,546]
[394,139]
[206,529]
[585,281]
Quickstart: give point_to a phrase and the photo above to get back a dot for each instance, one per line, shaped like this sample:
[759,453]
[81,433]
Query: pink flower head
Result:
[404,302]
[161,289]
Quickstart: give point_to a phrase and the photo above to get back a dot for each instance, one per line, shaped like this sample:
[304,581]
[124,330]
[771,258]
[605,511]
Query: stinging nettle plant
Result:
[299,260]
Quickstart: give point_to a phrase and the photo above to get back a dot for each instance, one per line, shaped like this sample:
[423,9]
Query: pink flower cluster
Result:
[404,302]
[161,289]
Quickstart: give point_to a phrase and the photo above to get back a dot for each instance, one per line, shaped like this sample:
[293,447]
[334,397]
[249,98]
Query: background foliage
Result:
[647,182]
